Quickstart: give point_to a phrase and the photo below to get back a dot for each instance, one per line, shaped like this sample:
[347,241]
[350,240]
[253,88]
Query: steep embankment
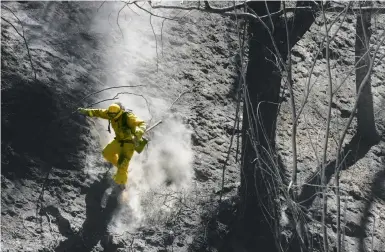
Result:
[76,49]
[362,176]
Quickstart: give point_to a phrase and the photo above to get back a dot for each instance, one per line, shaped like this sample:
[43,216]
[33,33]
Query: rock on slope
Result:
[76,49]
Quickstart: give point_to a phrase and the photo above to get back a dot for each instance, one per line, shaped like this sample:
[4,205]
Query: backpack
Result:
[124,121]
[142,143]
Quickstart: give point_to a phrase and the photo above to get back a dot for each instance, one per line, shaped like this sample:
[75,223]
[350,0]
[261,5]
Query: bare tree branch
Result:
[183,93]
[161,29]
[271,20]
[117,97]
[326,139]
[315,59]
[293,182]
[344,132]
[207,7]
[377,10]
[155,15]
[227,10]
[117,19]
[104,89]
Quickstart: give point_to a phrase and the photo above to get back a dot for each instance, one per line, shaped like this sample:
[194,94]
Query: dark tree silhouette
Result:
[365,114]
[264,85]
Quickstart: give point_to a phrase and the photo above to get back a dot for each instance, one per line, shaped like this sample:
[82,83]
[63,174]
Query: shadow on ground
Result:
[353,152]
[32,130]
[37,124]
[217,222]
[95,227]
[377,191]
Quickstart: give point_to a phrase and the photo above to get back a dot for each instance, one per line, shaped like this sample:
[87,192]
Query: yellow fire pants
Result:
[120,157]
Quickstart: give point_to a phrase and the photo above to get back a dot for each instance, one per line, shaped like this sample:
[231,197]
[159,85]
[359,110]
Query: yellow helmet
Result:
[114,108]
[114,111]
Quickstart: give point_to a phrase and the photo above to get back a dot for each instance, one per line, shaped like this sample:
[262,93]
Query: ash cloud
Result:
[164,168]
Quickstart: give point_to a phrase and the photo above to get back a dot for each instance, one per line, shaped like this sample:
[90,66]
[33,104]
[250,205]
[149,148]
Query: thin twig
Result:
[374,226]
[161,35]
[149,12]
[315,60]
[104,89]
[350,71]
[293,181]
[227,10]
[108,18]
[117,20]
[22,36]
[132,10]
[117,97]
[377,10]
[161,29]
[156,45]
[277,52]
[41,195]
[234,126]
[271,20]
[50,225]
[185,92]
[229,150]
[100,6]
[340,143]
[25,226]
[326,139]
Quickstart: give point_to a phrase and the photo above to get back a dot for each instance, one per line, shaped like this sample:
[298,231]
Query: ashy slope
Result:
[77,48]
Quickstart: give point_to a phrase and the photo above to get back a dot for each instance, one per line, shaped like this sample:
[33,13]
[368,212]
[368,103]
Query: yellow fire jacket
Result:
[125,126]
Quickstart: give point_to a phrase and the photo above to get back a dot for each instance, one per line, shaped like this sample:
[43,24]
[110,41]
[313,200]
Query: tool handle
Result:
[153,126]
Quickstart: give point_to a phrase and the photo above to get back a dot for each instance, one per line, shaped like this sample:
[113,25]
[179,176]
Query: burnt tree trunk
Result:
[365,113]
[258,214]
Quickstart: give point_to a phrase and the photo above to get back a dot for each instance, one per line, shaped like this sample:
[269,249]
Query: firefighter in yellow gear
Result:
[128,129]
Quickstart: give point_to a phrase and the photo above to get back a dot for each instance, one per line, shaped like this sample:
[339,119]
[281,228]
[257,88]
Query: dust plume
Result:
[163,172]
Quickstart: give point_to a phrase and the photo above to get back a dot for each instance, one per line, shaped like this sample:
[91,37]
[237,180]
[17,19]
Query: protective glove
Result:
[83,111]
[138,134]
